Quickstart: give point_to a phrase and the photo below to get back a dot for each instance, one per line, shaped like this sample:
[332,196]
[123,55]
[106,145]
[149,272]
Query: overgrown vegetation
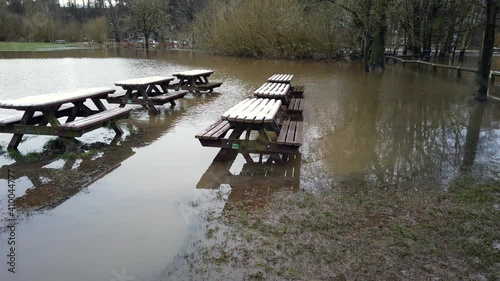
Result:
[359,232]
[272,29]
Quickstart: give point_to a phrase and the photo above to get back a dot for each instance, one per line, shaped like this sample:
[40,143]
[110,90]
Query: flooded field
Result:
[132,207]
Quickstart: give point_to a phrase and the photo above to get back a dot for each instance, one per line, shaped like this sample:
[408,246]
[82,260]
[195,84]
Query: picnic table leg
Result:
[204,79]
[128,95]
[153,89]
[100,106]
[145,95]
[164,87]
[248,158]
[72,114]
[263,134]
[82,109]
[194,85]
[16,138]
[68,142]
[226,153]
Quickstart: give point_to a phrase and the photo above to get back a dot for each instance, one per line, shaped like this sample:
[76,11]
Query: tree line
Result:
[95,20]
[292,29]
[259,28]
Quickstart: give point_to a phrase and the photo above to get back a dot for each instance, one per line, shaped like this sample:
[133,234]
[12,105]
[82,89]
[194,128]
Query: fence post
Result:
[459,72]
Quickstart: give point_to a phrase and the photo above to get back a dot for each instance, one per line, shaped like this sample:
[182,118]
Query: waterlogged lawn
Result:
[36,46]
[358,232]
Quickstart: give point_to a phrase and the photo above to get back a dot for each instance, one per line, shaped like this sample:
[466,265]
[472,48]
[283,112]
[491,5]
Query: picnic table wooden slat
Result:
[144,81]
[54,99]
[299,137]
[264,103]
[232,115]
[290,136]
[196,72]
[242,117]
[202,133]
[283,131]
[99,117]
[272,90]
[267,113]
[222,130]
[214,130]
[243,104]
[281,78]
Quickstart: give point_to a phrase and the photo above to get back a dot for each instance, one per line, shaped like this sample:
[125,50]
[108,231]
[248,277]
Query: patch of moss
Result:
[79,155]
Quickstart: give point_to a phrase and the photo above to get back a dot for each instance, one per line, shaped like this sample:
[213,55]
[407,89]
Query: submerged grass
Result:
[52,148]
[358,231]
[35,46]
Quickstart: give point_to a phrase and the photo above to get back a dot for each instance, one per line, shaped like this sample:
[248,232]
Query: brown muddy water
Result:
[128,211]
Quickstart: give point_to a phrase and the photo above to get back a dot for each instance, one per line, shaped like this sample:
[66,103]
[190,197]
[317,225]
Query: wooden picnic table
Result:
[281,78]
[41,111]
[294,105]
[273,91]
[195,81]
[252,115]
[146,91]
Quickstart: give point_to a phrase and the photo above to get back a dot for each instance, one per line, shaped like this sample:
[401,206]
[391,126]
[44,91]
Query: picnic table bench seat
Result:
[202,87]
[215,131]
[296,106]
[163,99]
[297,91]
[96,120]
[291,133]
[208,86]
[117,95]
[37,116]
[153,100]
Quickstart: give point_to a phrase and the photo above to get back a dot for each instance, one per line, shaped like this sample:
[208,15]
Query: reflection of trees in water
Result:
[396,138]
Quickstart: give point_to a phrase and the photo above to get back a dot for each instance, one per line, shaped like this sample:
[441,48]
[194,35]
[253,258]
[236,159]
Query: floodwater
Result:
[128,211]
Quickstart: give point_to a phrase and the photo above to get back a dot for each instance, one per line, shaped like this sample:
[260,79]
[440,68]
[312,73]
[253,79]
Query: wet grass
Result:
[51,149]
[358,231]
[35,46]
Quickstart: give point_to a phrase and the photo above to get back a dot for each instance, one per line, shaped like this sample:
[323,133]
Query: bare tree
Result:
[149,16]
[487,50]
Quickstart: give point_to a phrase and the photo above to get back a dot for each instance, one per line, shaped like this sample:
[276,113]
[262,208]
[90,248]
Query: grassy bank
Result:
[358,232]
[37,46]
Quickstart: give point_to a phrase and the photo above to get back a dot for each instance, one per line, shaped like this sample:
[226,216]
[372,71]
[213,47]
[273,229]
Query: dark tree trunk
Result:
[486,50]
[377,60]
[454,48]
[146,41]
[366,52]
[405,45]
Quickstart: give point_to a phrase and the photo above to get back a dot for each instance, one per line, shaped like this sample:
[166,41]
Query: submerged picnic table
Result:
[253,115]
[281,78]
[295,91]
[281,91]
[195,81]
[44,110]
[147,91]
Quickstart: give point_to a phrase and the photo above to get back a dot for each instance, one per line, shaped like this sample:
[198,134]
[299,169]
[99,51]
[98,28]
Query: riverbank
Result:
[356,231]
[38,46]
